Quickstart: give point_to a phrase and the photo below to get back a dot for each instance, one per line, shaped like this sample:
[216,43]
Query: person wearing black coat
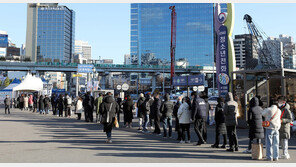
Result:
[166,110]
[53,104]
[108,110]
[41,104]
[88,104]
[220,124]
[155,109]
[46,101]
[128,111]
[60,103]
[141,108]
[175,113]
[7,104]
[256,130]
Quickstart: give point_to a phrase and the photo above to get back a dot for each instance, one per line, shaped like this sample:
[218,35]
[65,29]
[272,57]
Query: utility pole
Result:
[173,41]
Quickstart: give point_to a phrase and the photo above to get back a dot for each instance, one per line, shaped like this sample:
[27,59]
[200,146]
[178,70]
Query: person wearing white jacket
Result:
[79,108]
[184,115]
[272,114]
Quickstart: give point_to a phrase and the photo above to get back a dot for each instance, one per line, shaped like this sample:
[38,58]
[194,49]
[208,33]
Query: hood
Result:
[287,106]
[109,99]
[254,102]
[229,97]
[167,97]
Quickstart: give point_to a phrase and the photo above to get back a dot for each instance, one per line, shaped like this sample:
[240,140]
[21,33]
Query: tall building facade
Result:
[3,43]
[127,59]
[151,33]
[246,55]
[275,47]
[50,33]
[83,48]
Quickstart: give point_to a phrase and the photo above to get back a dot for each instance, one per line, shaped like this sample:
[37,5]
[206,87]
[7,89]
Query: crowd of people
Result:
[271,124]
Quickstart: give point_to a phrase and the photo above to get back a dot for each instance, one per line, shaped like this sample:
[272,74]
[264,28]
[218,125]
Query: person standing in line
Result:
[41,105]
[22,102]
[146,111]
[151,115]
[256,130]
[198,117]
[108,110]
[98,102]
[166,110]
[88,104]
[119,102]
[273,115]
[7,104]
[53,101]
[156,113]
[31,102]
[286,119]
[68,106]
[26,102]
[60,104]
[220,124]
[206,116]
[35,102]
[231,111]
[46,104]
[141,108]
[184,115]
[79,108]
[175,113]
[128,111]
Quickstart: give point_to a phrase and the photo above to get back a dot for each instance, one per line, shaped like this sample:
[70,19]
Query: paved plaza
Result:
[31,137]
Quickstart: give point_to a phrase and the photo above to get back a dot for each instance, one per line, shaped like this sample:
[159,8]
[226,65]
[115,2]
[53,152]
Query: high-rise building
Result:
[50,32]
[151,33]
[3,43]
[246,55]
[127,59]
[275,47]
[83,48]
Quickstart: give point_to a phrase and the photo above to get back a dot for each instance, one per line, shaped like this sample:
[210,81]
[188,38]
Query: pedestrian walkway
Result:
[31,137]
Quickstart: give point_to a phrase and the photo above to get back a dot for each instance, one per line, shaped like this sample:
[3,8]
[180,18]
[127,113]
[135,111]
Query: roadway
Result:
[30,137]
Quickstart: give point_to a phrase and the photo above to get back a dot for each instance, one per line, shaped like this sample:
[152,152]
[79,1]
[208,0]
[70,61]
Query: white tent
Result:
[29,84]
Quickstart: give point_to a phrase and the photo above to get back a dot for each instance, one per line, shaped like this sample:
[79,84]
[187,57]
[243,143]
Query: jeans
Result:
[284,143]
[7,109]
[167,121]
[46,110]
[140,122]
[108,135]
[41,111]
[231,133]
[272,143]
[146,121]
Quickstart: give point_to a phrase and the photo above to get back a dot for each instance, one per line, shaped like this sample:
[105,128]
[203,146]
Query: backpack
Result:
[69,101]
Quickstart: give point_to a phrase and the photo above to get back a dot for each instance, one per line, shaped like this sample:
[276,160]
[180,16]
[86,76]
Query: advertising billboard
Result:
[3,40]
[2,52]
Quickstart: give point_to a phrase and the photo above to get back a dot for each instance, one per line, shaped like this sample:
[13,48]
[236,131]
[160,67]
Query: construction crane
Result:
[265,57]
[173,41]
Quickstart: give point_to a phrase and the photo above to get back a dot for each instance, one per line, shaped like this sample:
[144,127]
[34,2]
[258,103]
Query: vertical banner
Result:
[89,86]
[96,85]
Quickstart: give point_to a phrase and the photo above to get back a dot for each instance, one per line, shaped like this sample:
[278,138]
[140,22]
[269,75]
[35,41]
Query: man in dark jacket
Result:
[204,130]
[146,111]
[166,110]
[231,111]
[41,104]
[53,101]
[156,113]
[7,104]
[286,119]
[46,104]
[35,102]
[60,105]
[175,113]
[256,130]
[88,104]
[108,110]
[141,108]
[198,115]
[220,124]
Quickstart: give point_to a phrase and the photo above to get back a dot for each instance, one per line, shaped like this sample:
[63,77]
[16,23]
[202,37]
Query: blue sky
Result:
[107,26]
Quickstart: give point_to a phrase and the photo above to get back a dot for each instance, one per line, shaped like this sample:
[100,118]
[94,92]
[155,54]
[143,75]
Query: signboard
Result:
[192,80]
[222,61]
[96,85]
[145,81]
[2,52]
[180,81]
[125,87]
[195,88]
[47,89]
[85,68]
[89,86]
[201,88]
[118,87]
[196,80]
[77,75]
[4,40]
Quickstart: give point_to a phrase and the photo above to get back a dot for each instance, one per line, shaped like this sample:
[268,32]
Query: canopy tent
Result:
[13,84]
[29,84]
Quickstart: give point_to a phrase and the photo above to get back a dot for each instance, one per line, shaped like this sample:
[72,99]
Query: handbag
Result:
[116,124]
[266,124]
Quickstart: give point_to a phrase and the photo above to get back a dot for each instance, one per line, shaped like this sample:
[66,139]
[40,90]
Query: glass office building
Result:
[53,33]
[151,33]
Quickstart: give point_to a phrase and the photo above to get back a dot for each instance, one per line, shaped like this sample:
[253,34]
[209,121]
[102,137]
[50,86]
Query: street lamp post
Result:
[93,81]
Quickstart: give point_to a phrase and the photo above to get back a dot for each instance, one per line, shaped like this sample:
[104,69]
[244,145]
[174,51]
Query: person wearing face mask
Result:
[286,119]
